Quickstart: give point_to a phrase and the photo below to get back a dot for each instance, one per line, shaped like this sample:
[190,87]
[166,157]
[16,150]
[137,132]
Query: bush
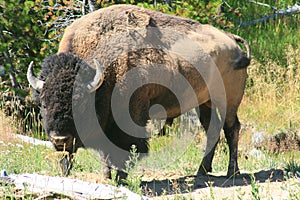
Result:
[29,31]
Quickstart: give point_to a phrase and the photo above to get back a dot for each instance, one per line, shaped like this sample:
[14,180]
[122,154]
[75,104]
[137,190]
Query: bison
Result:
[119,67]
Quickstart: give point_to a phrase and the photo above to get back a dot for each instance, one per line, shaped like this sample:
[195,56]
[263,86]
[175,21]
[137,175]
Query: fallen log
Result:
[43,185]
[33,141]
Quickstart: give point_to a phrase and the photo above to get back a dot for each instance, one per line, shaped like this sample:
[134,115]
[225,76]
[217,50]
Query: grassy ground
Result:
[169,168]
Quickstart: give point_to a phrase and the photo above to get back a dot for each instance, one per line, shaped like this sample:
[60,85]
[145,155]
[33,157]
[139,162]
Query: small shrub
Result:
[133,181]
[284,141]
[292,169]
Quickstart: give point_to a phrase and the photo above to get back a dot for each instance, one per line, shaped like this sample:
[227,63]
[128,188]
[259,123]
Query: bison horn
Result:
[98,79]
[36,83]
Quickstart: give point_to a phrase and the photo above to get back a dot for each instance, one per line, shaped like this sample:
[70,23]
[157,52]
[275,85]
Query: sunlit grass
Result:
[272,99]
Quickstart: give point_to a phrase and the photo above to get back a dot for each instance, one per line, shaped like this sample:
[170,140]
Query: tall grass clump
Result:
[254,189]
[272,97]
[24,114]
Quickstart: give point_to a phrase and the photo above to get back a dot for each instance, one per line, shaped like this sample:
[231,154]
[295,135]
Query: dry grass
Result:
[272,98]
[6,128]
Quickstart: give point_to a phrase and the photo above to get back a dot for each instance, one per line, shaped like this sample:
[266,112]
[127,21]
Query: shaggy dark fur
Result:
[59,73]
[66,77]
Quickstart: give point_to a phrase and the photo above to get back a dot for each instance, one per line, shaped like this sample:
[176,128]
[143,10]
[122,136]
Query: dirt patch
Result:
[169,185]
[267,190]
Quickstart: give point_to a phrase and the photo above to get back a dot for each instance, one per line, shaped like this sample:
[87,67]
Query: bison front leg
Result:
[232,129]
[66,164]
[107,170]
[212,125]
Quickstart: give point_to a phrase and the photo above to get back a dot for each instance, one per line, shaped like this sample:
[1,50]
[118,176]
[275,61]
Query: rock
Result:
[258,154]
[259,139]
[3,173]
[284,141]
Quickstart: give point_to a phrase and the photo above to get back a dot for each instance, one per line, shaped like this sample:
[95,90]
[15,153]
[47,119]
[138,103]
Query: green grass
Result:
[23,158]
[270,39]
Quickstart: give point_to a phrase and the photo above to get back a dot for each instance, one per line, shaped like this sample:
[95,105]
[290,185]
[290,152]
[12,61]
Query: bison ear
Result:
[36,83]
[98,78]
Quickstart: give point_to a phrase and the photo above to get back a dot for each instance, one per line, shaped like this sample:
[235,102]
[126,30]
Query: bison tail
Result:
[245,60]
[242,63]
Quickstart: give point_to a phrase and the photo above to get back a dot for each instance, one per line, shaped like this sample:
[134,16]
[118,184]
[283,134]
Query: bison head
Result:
[63,82]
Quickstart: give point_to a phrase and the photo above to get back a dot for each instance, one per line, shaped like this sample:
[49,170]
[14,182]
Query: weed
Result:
[133,180]
[114,178]
[240,194]
[292,169]
[211,191]
[189,184]
[254,188]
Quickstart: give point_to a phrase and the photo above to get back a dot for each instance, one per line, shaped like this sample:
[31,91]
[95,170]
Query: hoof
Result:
[106,172]
[66,164]
[162,132]
[121,175]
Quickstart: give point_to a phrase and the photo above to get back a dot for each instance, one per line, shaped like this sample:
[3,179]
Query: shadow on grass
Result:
[190,183]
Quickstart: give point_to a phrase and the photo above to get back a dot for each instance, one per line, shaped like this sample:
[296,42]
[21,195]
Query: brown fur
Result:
[125,37]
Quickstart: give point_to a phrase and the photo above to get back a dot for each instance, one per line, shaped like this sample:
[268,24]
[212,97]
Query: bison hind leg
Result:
[212,125]
[231,131]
